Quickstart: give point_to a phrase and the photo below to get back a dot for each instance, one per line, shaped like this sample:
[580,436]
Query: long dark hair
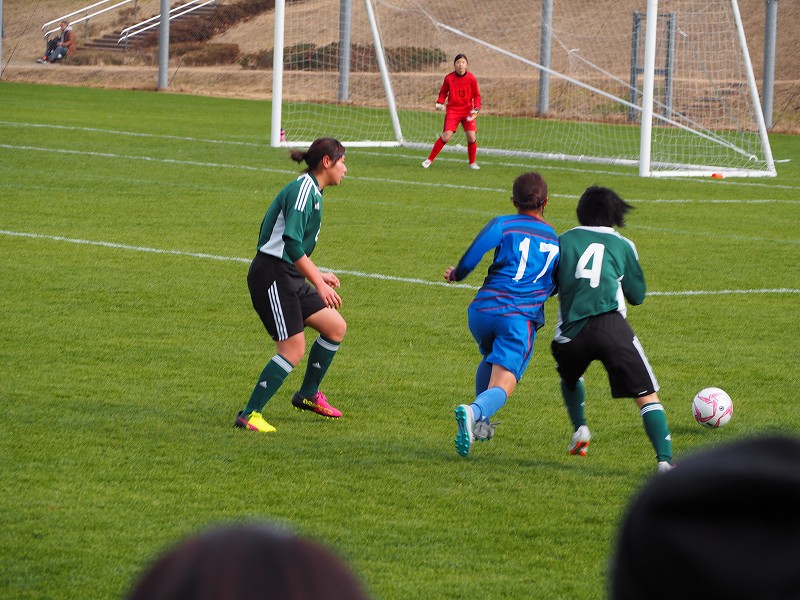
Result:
[602,207]
[322,147]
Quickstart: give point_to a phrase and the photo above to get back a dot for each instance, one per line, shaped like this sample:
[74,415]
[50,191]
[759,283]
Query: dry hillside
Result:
[23,43]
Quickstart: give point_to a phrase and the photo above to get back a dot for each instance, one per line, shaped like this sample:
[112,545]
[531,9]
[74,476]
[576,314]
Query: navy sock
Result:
[482,376]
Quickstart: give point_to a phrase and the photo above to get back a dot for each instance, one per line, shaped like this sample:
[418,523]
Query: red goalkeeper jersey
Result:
[461,92]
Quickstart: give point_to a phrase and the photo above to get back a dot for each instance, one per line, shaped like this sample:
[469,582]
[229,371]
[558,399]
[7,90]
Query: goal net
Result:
[665,87]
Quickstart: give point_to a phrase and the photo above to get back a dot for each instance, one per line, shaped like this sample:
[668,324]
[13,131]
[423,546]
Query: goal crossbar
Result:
[710,122]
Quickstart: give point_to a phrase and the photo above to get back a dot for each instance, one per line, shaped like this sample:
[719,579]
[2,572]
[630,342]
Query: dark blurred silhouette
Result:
[248,562]
[724,523]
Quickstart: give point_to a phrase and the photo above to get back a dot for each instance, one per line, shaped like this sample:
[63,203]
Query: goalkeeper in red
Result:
[599,270]
[460,90]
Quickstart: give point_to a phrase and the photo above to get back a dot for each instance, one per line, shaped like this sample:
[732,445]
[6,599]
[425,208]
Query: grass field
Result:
[128,343]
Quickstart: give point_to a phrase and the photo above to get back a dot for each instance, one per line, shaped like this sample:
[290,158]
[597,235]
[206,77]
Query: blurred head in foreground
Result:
[248,562]
[724,523]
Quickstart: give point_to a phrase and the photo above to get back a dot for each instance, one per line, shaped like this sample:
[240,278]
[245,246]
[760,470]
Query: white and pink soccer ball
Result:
[712,407]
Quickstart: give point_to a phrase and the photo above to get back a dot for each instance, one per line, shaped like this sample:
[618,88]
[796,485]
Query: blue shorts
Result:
[504,341]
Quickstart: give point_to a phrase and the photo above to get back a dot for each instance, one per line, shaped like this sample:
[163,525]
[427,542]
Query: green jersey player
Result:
[599,270]
[290,293]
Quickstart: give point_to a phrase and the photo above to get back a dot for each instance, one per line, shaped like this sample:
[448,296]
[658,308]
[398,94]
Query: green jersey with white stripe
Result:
[290,228]
[598,271]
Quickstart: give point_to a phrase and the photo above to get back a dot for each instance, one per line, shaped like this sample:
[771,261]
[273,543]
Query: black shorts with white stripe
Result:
[609,339]
[281,296]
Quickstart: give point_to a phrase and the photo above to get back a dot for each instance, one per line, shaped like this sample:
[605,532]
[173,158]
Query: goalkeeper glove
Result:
[473,114]
[439,106]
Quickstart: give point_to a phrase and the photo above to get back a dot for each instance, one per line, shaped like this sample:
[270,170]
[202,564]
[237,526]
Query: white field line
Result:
[472,188]
[132,134]
[414,157]
[192,163]
[172,161]
[380,276]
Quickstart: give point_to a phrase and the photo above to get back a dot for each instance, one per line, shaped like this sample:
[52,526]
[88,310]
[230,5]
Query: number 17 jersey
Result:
[520,277]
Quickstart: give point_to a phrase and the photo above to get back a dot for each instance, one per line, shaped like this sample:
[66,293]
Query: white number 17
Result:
[524,247]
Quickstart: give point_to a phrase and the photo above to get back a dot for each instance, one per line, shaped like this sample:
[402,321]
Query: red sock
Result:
[437,147]
[472,151]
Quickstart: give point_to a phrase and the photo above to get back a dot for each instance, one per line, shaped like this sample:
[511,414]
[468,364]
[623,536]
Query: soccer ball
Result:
[712,407]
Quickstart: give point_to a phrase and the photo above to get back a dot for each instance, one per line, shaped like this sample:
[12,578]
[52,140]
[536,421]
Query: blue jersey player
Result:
[509,308]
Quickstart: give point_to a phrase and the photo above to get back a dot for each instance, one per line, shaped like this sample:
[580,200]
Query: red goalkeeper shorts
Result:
[452,121]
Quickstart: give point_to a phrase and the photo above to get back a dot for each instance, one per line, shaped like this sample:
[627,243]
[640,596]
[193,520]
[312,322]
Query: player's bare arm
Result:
[318,279]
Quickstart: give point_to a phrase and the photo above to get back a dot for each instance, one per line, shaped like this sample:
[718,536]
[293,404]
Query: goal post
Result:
[691,108]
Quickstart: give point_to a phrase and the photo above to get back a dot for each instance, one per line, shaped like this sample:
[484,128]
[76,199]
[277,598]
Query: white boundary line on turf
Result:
[191,163]
[171,161]
[133,134]
[564,167]
[202,255]
[559,167]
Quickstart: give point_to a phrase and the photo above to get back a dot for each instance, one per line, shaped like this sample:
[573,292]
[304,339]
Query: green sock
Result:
[575,400]
[655,425]
[319,359]
[277,369]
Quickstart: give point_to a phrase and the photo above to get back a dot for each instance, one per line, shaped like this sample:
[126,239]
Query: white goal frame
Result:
[650,109]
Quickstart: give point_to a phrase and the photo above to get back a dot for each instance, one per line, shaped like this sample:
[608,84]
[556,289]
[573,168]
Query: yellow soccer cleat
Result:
[254,421]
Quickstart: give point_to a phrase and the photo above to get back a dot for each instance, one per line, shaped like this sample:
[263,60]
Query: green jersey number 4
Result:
[594,255]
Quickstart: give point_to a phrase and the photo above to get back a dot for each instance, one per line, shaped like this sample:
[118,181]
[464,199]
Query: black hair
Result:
[529,191]
[248,562]
[734,502]
[602,207]
[320,148]
[460,55]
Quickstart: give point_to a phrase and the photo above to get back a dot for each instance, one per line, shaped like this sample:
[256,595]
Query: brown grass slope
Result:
[24,42]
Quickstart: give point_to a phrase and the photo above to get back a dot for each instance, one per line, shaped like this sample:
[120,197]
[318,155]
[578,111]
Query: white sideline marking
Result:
[132,134]
[203,255]
[565,167]
[192,163]
[726,292]
[413,157]
[172,161]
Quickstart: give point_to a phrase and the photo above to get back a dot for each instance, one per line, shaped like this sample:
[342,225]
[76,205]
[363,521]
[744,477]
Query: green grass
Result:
[128,343]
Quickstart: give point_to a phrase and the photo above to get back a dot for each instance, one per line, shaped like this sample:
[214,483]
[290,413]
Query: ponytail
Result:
[529,191]
[322,147]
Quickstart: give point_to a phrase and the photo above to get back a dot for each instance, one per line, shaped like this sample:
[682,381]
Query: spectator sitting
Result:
[59,47]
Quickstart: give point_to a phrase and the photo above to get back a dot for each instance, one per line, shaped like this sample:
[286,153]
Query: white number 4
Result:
[524,247]
[594,254]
